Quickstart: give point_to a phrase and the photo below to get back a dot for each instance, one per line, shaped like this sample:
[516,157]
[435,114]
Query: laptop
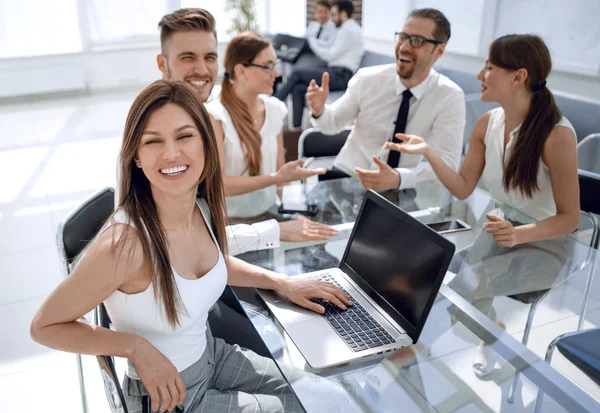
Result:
[288,47]
[392,267]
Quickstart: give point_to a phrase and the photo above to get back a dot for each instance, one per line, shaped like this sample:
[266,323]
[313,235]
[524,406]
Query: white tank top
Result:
[541,205]
[256,202]
[140,314]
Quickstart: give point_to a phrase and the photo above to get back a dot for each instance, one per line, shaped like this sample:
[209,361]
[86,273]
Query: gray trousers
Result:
[227,379]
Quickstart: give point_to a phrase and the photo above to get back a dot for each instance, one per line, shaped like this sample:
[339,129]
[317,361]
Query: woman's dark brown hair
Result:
[136,196]
[243,48]
[525,51]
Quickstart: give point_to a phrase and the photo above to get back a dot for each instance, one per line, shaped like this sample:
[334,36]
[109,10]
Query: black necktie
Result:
[319,32]
[394,157]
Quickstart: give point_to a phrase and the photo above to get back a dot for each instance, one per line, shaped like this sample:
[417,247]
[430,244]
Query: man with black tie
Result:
[406,97]
[343,59]
[322,30]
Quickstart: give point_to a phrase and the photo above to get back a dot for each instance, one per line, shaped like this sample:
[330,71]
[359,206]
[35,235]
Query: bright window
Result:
[38,28]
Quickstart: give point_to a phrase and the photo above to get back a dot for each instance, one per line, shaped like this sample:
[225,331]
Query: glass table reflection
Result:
[436,374]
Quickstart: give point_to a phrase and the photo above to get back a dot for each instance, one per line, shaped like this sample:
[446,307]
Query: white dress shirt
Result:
[372,100]
[327,36]
[260,236]
[347,49]
[541,205]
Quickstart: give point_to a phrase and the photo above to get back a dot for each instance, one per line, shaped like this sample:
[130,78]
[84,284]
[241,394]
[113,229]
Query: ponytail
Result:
[522,168]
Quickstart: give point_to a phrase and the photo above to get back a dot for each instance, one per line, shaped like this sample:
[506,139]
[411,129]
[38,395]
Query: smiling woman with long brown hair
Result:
[160,264]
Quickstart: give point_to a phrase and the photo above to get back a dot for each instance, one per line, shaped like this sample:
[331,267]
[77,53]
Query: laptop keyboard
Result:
[355,326]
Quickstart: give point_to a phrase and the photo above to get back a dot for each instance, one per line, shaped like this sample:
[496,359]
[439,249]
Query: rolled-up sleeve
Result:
[262,235]
[446,139]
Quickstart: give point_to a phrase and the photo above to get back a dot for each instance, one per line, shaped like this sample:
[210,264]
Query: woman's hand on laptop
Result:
[300,291]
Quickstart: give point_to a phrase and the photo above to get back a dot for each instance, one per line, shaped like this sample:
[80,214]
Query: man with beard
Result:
[343,59]
[189,53]
[406,97]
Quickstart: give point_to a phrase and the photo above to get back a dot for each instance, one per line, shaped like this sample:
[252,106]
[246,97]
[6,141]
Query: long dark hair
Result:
[136,196]
[243,48]
[527,51]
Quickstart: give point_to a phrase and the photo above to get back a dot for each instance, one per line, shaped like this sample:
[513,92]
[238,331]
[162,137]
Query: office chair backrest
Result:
[584,114]
[588,153]
[313,143]
[376,59]
[82,225]
[589,191]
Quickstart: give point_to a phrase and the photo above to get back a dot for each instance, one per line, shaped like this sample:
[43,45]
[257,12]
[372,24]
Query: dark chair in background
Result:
[580,348]
[73,236]
[313,143]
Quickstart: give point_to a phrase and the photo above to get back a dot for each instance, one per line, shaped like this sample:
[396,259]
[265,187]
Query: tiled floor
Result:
[55,153]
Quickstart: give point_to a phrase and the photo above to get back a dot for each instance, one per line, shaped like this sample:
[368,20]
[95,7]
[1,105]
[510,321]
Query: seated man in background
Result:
[189,53]
[322,31]
[343,59]
[406,97]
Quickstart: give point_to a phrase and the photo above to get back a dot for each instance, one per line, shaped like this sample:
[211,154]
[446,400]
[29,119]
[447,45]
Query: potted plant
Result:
[244,18]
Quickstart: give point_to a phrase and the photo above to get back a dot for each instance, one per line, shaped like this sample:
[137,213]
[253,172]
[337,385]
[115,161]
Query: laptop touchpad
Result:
[285,309]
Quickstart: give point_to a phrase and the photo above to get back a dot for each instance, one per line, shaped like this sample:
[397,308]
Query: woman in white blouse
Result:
[248,124]
[526,153]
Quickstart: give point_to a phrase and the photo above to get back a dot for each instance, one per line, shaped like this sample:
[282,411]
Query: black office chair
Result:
[313,143]
[73,236]
[112,387]
[580,348]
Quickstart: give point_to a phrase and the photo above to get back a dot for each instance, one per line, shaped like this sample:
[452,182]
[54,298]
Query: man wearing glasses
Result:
[343,59]
[406,97]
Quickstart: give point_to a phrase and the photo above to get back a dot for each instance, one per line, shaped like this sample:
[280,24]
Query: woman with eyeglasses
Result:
[248,124]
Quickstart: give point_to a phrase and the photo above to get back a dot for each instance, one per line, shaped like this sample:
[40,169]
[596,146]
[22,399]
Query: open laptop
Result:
[393,267]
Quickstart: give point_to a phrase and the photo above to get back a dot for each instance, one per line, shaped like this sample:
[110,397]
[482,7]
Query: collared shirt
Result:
[372,100]
[260,236]
[327,36]
[347,49]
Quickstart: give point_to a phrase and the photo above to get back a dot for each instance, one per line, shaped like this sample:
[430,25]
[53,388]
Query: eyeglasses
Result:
[415,40]
[271,67]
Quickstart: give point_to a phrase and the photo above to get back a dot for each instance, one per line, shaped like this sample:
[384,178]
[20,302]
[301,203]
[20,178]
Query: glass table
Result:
[436,374]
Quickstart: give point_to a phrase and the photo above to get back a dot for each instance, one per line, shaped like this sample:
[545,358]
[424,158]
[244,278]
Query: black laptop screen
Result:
[399,259]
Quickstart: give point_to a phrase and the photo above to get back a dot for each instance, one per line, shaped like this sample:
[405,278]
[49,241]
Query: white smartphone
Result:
[449,226]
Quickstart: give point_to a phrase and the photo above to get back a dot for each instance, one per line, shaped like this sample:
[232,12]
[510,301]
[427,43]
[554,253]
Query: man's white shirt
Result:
[372,100]
[347,49]
[327,36]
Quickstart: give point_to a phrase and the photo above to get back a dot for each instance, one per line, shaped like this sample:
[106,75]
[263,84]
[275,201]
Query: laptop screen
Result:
[402,261]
